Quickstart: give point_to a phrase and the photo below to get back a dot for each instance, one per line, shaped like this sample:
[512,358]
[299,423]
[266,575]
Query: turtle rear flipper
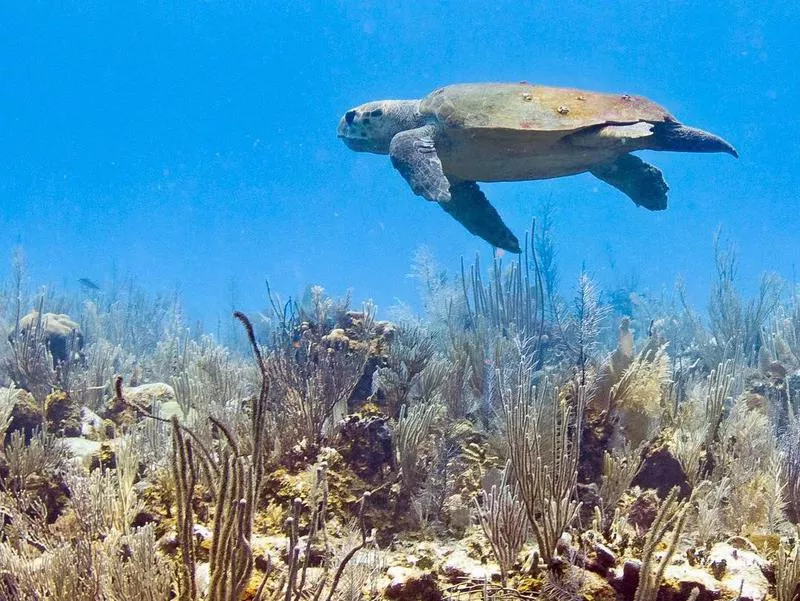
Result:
[470,207]
[413,154]
[681,138]
[641,181]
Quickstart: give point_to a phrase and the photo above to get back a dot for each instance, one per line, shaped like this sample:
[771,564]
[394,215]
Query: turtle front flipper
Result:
[413,154]
[470,207]
[639,180]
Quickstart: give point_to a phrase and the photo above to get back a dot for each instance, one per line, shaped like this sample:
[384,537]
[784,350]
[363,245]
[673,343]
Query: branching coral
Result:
[412,428]
[747,455]
[718,397]
[790,447]
[314,374]
[408,370]
[619,470]
[90,382]
[231,478]
[672,513]
[736,324]
[582,329]
[7,401]
[93,553]
[118,568]
[30,366]
[106,500]
[511,302]
[297,584]
[544,435]
[709,500]
[787,571]
[235,480]
[505,523]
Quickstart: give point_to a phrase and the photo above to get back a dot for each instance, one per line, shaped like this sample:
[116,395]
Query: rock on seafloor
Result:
[411,584]
[82,449]
[91,423]
[145,395]
[740,569]
[459,565]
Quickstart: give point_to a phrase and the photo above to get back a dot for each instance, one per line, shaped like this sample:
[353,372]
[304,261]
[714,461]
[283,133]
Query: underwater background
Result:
[192,145]
[240,362]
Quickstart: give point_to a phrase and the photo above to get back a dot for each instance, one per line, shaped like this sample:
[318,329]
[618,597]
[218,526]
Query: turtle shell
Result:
[527,107]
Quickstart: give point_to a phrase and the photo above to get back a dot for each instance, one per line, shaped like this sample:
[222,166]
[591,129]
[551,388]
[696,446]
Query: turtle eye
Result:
[349,116]
[377,113]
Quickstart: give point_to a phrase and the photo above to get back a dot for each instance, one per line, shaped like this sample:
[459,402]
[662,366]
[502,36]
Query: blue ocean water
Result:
[192,145]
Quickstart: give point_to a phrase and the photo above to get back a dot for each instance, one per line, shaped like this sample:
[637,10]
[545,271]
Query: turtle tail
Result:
[680,138]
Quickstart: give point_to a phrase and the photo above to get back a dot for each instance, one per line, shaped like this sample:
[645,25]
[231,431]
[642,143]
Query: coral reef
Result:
[61,334]
[506,445]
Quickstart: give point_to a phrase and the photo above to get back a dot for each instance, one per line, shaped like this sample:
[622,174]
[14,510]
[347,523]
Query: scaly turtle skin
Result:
[461,134]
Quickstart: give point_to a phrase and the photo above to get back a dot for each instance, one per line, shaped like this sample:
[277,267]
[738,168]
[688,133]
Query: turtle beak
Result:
[348,132]
[352,142]
[346,121]
[357,144]
[341,131]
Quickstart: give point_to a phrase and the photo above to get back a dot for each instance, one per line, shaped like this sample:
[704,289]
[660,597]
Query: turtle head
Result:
[370,127]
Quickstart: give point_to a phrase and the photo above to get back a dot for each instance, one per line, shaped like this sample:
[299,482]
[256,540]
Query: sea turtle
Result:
[493,132]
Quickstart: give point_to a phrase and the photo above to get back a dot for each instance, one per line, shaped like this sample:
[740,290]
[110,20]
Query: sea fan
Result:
[639,392]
